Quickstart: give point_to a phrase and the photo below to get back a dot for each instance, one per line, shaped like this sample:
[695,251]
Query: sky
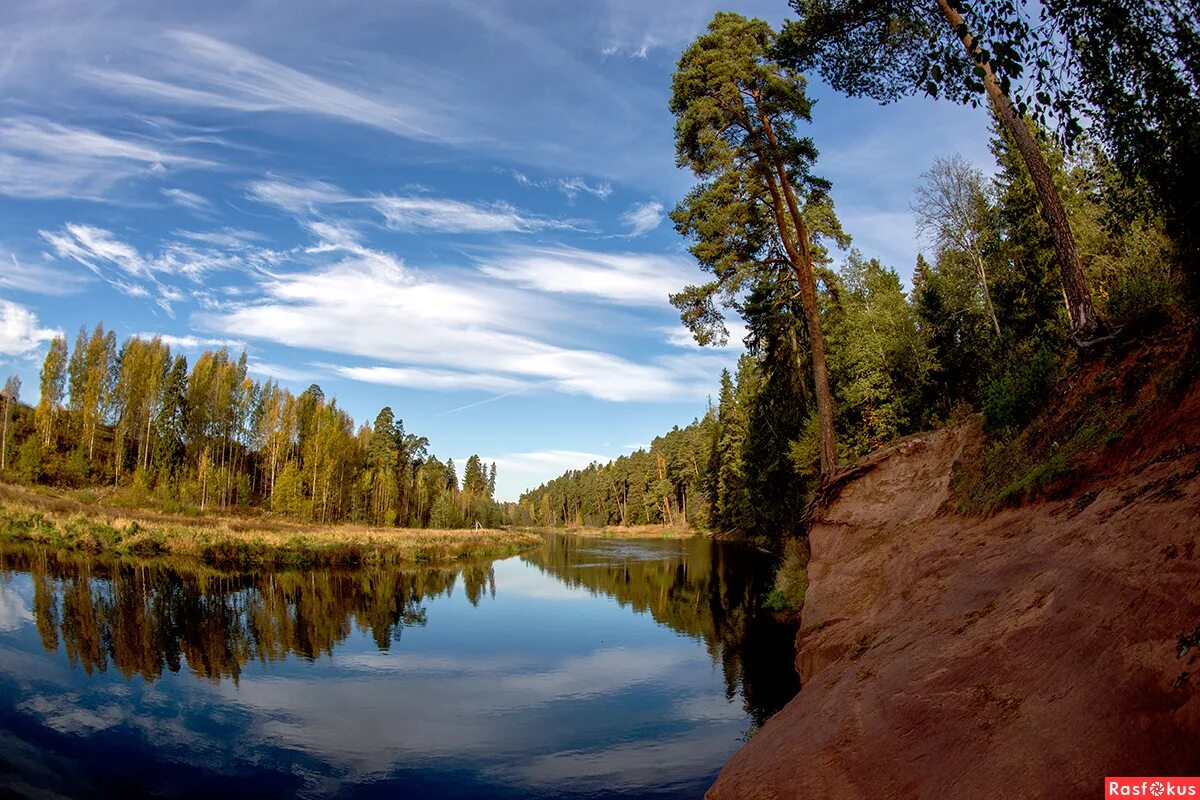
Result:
[453,208]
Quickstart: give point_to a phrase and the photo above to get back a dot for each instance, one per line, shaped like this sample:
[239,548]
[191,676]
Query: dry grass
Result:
[69,524]
[629,532]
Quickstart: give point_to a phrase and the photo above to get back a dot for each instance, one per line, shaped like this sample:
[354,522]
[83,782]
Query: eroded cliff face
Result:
[1028,654]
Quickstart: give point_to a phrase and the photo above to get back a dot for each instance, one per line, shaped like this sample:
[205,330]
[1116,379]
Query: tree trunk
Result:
[1085,323]
[800,256]
[987,294]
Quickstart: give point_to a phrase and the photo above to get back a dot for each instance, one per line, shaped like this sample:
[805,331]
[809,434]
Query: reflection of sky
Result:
[543,690]
[14,607]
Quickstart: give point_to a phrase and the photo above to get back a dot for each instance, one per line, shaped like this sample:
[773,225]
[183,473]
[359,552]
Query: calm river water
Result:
[585,668]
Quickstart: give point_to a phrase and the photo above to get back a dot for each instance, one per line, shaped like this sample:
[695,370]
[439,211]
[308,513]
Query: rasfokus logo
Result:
[1151,787]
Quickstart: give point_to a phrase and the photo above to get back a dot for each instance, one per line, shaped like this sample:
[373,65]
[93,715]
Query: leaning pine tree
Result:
[886,50]
[736,111]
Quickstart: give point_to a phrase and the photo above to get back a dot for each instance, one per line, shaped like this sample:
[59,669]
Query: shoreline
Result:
[238,541]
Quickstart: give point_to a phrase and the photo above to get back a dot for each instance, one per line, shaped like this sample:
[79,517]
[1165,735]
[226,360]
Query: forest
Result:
[136,419]
[1084,236]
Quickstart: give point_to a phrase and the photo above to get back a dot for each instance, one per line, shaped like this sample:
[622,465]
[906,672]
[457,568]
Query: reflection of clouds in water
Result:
[22,665]
[710,708]
[626,766]
[601,672]
[15,610]
[435,663]
[517,579]
[63,713]
[367,726]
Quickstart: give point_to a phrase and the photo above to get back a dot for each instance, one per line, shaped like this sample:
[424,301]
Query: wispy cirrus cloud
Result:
[143,275]
[187,199]
[409,213]
[430,379]
[625,278]
[43,278]
[207,72]
[40,158]
[436,333]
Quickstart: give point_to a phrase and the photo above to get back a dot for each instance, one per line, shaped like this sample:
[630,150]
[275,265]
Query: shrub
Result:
[1016,396]
[29,460]
[791,580]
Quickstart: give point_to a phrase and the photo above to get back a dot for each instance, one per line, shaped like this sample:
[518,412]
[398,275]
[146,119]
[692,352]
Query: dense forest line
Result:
[135,418]
[1084,234]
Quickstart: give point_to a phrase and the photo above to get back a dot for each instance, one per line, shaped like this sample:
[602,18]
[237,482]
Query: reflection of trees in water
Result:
[147,617]
[710,591]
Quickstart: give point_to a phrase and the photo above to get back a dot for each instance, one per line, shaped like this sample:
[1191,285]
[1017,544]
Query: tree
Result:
[382,457]
[952,208]
[170,421]
[12,394]
[880,362]
[736,112]
[1130,67]
[475,478]
[53,382]
[888,50]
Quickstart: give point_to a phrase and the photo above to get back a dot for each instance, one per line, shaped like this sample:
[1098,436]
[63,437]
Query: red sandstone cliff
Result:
[1024,655]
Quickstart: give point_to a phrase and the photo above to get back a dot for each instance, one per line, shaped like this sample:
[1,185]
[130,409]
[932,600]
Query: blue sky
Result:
[452,208]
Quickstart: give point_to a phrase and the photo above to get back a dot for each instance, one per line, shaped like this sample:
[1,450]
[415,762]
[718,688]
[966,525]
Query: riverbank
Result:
[629,532]
[62,522]
[1025,652]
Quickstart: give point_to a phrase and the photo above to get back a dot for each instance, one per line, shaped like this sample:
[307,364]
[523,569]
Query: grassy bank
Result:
[68,524]
[629,532]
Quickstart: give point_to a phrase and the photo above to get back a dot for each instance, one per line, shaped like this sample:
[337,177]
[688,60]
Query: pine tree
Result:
[736,112]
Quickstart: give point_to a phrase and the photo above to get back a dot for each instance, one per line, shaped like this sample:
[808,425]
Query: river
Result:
[585,668]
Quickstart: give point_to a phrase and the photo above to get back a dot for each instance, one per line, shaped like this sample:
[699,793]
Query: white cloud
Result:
[453,216]
[642,218]
[367,303]
[413,213]
[625,278]
[572,187]
[295,197]
[544,463]
[94,247]
[44,159]
[679,336]
[136,274]
[435,379]
[190,342]
[199,70]
[37,278]
[187,199]
[20,332]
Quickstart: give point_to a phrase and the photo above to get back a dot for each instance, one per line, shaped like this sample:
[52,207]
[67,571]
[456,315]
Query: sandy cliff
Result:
[1028,654]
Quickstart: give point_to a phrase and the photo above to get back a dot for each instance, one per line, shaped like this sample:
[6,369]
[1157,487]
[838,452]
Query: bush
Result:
[1014,398]
[791,581]
[1142,290]
[29,460]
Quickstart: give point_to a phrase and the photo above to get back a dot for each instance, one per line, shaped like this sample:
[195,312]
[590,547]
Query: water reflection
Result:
[708,591]
[519,678]
[145,618]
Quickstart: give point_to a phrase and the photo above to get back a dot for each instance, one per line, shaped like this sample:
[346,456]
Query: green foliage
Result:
[878,360]
[288,496]
[791,579]
[1014,397]
[161,435]
[29,460]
